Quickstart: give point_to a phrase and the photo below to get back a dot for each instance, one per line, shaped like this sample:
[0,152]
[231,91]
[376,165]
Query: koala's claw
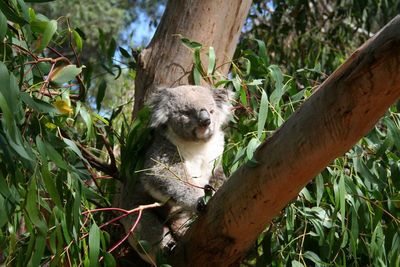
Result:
[208,189]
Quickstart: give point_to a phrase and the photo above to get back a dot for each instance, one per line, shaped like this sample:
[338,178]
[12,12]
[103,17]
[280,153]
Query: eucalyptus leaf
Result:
[47,34]
[94,245]
[65,74]
[3,26]
[262,114]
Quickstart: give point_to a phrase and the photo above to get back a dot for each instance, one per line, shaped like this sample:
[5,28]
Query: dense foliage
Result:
[60,138]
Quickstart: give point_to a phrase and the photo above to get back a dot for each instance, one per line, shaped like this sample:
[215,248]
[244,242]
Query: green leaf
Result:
[251,148]
[71,145]
[31,205]
[366,173]
[111,48]
[50,30]
[342,201]
[55,156]
[277,77]
[41,148]
[50,185]
[312,257]
[296,264]
[38,250]
[393,132]
[262,114]
[65,74]
[100,118]
[191,44]
[11,14]
[319,182]
[94,245]
[109,260]
[9,89]
[262,51]
[3,26]
[100,94]
[377,241]
[211,61]
[256,82]
[7,115]
[78,40]
[196,76]
[88,121]
[37,104]
[124,53]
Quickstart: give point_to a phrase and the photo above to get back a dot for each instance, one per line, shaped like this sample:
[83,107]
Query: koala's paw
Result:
[170,247]
[201,205]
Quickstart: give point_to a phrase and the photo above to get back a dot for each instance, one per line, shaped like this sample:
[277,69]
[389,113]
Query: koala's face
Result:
[193,113]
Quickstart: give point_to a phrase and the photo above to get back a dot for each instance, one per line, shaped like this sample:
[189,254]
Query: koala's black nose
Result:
[204,118]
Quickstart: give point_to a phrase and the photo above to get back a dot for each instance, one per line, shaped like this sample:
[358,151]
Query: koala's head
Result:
[193,113]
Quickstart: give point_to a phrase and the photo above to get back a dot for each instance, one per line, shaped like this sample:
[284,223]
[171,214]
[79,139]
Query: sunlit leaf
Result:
[251,148]
[65,74]
[196,76]
[211,61]
[47,35]
[262,114]
[78,40]
[63,107]
[296,264]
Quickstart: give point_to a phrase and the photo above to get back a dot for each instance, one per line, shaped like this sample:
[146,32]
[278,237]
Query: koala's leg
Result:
[151,227]
[151,237]
[178,220]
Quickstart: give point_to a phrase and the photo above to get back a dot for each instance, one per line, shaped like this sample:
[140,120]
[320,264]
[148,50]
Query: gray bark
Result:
[345,107]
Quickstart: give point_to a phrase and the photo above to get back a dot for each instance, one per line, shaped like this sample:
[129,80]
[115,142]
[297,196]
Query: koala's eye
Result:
[212,111]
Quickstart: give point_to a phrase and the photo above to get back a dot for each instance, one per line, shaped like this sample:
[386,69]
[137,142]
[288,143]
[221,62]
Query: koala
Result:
[180,164]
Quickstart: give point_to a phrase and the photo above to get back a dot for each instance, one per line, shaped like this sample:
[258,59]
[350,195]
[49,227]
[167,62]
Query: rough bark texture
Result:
[346,107]
[166,61]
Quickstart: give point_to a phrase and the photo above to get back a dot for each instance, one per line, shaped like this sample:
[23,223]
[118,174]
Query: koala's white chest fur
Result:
[199,157]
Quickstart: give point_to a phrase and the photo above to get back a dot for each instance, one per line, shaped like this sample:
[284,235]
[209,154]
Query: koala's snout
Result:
[204,118]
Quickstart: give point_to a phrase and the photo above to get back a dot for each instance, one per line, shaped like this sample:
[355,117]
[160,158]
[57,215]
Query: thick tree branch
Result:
[166,61]
[346,106]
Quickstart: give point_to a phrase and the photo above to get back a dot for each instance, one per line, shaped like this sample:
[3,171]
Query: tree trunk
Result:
[344,108]
[166,61]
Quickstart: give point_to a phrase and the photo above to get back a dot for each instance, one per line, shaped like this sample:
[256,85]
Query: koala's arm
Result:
[165,177]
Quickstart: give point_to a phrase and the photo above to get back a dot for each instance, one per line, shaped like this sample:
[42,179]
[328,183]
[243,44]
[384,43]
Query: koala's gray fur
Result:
[180,162]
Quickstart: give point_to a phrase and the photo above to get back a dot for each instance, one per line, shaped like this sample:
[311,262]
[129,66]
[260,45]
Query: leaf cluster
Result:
[57,155]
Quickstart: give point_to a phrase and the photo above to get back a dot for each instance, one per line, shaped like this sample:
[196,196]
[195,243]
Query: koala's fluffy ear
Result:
[158,102]
[223,99]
